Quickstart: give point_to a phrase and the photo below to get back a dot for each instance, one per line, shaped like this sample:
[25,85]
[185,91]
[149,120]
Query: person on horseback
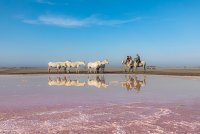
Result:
[137,59]
[127,59]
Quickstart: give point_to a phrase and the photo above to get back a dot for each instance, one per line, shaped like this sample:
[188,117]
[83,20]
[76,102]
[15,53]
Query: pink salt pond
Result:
[118,104]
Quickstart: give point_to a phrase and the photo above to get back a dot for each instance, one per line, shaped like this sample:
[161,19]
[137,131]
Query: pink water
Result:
[117,104]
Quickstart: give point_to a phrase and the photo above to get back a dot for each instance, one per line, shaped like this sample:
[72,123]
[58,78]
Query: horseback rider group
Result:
[137,59]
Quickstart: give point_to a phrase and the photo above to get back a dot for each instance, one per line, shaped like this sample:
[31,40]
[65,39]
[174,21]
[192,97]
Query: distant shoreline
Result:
[35,70]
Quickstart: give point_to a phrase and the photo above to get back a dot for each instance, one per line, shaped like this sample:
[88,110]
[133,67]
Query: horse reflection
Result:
[99,82]
[65,82]
[133,83]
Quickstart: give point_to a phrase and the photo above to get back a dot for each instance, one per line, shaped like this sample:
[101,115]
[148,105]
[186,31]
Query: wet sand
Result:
[110,104]
[31,70]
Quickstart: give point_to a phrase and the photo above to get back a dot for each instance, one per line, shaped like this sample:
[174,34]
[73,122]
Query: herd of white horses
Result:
[93,67]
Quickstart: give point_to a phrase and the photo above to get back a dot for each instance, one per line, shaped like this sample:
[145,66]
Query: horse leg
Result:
[69,69]
[77,70]
[94,71]
[49,69]
[57,69]
[144,67]
[64,70]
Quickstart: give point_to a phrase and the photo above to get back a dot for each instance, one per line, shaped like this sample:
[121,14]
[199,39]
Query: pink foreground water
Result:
[118,104]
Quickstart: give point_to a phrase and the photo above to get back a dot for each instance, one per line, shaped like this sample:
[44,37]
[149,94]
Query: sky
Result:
[162,32]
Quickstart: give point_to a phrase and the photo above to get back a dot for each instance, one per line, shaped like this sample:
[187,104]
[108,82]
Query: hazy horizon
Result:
[35,32]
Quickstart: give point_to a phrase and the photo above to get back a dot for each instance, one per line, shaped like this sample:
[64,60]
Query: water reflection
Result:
[65,82]
[99,82]
[132,82]
[129,82]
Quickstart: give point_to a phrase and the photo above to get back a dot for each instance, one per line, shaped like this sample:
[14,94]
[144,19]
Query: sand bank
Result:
[34,70]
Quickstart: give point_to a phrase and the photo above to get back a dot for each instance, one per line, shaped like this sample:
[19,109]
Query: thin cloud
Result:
[73,22]
[45,2]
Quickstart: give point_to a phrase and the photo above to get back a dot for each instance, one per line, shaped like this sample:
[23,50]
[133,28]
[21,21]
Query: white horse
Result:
[67,66]
[141,64]
[57,65]
[128,64]
[93,66]
[102,65]
[75,65]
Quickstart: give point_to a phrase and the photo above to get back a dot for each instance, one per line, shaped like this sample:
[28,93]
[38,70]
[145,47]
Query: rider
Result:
[128,59]
[137,59]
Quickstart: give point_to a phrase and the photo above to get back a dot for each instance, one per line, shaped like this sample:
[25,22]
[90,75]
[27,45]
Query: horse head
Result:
[106,61]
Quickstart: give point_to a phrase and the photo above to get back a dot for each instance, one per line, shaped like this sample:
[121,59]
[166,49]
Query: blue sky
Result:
[163,32]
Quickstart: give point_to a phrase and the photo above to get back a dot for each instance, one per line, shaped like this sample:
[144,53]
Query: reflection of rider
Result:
[137,59]
[134,83]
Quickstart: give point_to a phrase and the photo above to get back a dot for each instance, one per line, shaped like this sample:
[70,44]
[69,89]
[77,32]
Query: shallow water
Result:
[99,104]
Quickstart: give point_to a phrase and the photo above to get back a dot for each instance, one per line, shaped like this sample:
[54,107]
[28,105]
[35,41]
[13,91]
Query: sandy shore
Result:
[33,70]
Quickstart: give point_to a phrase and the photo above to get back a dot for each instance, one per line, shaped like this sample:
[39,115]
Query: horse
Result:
[67,66]
[94,66]
[75,65]
[57,65]
[141,64]
[102,65]
[128,64]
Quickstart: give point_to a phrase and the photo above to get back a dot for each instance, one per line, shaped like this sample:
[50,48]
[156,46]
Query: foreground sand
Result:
[178,72]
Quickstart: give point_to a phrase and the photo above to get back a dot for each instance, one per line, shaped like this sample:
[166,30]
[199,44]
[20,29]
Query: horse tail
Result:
[48,68]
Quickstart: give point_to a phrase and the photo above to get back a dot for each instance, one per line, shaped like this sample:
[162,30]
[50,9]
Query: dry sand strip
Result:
[14,71]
